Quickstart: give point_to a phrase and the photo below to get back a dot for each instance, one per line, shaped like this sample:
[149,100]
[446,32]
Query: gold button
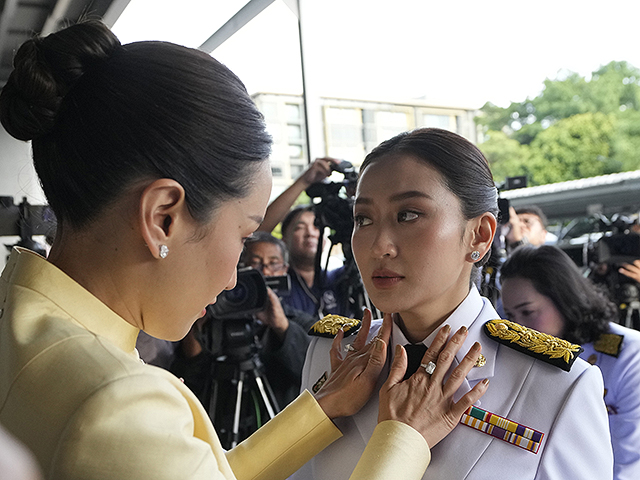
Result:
[482,360]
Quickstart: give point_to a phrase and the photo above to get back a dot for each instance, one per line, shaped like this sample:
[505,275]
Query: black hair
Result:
[292,216]
[534,210]
[584,307]
[463,167]
[265,237]
[103,117]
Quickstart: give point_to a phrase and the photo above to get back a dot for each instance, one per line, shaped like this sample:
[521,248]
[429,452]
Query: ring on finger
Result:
[349,348]
[428,367]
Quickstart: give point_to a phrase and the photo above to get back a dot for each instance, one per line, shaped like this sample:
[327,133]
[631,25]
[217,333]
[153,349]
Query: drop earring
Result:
[475,255]
[164,251]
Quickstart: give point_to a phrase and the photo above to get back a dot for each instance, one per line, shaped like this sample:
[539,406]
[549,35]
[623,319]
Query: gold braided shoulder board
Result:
[609,343]
[549,349]
[330,325]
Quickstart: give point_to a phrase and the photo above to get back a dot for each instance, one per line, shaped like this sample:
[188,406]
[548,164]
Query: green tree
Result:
[574,147]
[576,127]
[506,156]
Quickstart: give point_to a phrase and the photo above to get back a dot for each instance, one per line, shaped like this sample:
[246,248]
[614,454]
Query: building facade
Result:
[352,128]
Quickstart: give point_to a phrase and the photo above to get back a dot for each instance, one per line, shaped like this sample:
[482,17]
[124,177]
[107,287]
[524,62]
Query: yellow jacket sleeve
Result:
[394,447]
[302,430]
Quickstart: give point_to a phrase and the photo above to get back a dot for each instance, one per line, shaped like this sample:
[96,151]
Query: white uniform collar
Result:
[473,312]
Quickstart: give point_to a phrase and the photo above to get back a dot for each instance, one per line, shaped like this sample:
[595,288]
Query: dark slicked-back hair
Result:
[104,116]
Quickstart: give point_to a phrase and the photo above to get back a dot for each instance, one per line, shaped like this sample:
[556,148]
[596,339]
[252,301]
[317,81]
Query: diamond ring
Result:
[428,367]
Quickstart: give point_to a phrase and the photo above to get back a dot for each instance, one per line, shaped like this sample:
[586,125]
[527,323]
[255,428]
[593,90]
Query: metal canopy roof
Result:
[606,194]
[21,19]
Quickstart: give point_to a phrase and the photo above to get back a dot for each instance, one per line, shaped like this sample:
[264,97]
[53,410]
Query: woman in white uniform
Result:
[425,217]
[543,289]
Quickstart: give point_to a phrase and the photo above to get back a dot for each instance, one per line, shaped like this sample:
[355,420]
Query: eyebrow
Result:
[398,197]
[257,218]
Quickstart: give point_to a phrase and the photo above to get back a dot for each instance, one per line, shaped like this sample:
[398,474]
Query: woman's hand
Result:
[631,270]
[425,402]
[354,376]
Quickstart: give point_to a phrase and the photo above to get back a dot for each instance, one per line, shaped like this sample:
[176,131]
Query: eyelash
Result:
[359,220]
[407,212]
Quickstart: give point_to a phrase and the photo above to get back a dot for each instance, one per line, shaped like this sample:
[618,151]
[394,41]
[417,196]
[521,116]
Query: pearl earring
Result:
[164,251]
[475,255]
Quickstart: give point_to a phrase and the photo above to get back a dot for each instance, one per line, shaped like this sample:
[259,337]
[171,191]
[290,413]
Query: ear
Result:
[482,231]
[162,208]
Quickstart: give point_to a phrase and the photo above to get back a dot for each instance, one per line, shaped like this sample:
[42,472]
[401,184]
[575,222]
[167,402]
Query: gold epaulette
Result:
[330,325]
[609,343]
[549,349]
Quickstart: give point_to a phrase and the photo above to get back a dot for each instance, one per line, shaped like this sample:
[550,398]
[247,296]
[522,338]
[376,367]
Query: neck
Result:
[417,324]
[307,275]
[94,259]
[305,267]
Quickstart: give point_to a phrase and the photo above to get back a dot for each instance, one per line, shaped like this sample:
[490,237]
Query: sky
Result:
[451,53]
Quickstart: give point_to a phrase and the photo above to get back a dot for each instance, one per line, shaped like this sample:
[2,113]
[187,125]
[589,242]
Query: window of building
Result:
[437,121]
[344,133]
[293,112]
[295,151]
[294,133]
[388,124]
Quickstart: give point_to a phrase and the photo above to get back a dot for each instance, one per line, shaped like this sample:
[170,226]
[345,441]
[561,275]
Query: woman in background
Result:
[543,289]
[154,159]
[425,216]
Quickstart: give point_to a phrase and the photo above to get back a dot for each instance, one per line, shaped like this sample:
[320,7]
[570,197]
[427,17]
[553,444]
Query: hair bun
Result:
[45,69]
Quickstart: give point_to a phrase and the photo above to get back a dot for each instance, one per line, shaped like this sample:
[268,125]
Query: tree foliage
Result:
[575,128]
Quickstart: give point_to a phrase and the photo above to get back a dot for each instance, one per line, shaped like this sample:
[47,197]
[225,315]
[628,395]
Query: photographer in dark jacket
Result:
[285,340]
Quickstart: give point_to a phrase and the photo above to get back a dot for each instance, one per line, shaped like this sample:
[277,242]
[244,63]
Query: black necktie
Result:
[414,354]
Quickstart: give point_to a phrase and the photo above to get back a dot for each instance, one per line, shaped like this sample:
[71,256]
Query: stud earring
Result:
[164,251]
[475,255]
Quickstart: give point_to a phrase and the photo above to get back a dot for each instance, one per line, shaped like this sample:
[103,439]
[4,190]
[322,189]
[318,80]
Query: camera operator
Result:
[283,336]
[285,339]
[316,172]
[528,226]
[314,296]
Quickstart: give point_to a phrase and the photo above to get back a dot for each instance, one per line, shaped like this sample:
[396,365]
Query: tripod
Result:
[631,314]
[240,395]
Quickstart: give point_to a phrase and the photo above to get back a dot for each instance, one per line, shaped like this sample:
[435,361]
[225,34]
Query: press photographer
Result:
[249,346]
[616,265]
[317,289]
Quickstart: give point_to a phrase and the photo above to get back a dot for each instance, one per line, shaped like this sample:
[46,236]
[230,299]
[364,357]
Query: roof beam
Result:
[235,23]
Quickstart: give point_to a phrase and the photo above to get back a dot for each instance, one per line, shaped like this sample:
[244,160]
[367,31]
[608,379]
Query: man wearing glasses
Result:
[285,339]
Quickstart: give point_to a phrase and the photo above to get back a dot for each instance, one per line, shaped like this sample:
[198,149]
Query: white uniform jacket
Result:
[621,372]
[566,406]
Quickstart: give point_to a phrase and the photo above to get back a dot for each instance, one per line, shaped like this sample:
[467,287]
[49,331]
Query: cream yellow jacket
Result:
[74,391]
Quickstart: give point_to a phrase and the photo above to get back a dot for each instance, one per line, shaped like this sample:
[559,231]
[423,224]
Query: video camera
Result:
[249,296]
[333,209]
[617,245]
